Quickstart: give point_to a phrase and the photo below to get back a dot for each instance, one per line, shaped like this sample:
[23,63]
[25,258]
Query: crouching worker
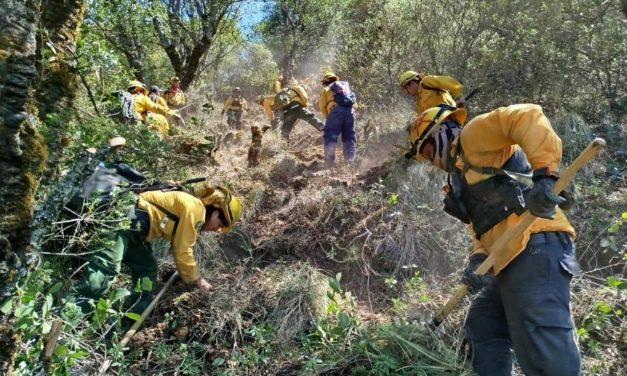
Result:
[293,101]
[140,108]
[524,305]
[175,216]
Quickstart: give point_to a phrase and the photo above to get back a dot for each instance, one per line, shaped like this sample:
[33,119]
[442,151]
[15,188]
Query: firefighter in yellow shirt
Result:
[174,96]
[278,84]
[175,216]
[155,96]
[141,108]
[524,306]
[234,107]
[294,108]
[431,91]
[267,102]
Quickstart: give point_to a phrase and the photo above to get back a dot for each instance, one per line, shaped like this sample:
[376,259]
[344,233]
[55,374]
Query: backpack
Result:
[128,109]
[282,99]
[342,94]
[104,180]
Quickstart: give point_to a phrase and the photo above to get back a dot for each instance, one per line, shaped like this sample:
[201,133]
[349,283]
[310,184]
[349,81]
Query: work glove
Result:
[475,282]
[540,199]
[568,195]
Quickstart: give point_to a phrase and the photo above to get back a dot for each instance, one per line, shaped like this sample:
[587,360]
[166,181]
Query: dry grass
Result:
[298,297]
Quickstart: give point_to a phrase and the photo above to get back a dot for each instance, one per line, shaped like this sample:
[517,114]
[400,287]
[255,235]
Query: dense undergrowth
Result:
[328,273]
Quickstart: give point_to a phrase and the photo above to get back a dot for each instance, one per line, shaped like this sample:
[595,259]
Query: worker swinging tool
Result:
[518,232]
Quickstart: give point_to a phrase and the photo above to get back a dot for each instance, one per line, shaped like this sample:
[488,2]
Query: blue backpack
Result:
[342,94]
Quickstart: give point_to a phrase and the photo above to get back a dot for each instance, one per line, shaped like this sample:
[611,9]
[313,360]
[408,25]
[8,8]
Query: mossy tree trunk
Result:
[24,152]
[56,64]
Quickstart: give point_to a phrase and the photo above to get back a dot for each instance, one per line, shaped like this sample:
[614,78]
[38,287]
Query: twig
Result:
[51,342]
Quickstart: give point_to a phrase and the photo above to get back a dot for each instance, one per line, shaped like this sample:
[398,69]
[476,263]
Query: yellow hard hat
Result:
[133,84]
[174,79]
[221,198]
[329,76]
[409,76]
[423,125]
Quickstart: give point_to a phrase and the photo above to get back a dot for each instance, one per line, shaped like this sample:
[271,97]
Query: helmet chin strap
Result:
[447,132]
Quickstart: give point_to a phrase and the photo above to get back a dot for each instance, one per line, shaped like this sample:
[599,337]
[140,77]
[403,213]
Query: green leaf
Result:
[321,331]
[617,283]
[60,351]
[344,320]
[146,284]
[78,354]
[334,283]
[217,362]
[23,311]
[133,316]
[118,294]
[7,305]
[45,327]
[624,215]
[102,305]
[54,289]
[47,305]
[604,307]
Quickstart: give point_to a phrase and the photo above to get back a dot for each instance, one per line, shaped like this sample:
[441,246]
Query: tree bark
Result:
[24,153]
[56,91]
[21,160]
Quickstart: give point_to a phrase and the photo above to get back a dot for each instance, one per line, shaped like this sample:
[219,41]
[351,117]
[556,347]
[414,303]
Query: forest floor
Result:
[379,224]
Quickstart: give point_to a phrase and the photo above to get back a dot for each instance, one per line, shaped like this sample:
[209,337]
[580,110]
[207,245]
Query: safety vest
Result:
[488,202]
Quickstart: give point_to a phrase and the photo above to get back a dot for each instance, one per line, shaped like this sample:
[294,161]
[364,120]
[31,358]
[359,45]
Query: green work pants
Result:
[126,247]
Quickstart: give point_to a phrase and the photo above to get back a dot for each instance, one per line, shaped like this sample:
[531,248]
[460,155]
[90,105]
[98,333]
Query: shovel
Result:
[526,220]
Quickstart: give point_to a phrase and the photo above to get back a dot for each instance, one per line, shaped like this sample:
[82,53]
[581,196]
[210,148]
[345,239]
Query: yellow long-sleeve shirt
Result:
[235,103]
[299,94]
[161,102]
[142,105]
[267,103]
[435,90]
[489,140]
[326,102]
[175,98]
[191,216]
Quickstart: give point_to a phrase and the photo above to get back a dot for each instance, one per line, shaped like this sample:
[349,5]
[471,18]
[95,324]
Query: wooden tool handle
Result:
[526,220]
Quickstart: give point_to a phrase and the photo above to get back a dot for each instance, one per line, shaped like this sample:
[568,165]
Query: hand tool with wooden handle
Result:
[526,220]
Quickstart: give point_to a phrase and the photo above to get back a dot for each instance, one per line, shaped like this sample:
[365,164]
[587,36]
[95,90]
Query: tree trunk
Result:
[56,92]
[24,153]
[22,158]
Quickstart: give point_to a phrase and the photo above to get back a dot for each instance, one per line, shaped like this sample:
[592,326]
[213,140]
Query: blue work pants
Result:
[526,309]
[341,121]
